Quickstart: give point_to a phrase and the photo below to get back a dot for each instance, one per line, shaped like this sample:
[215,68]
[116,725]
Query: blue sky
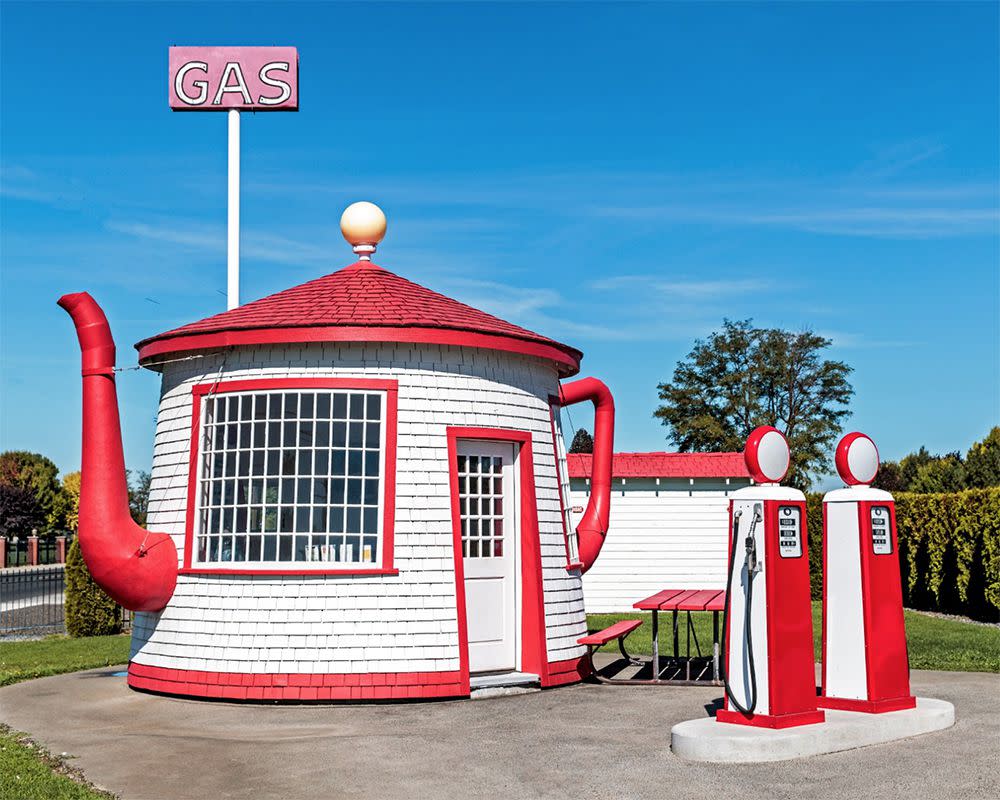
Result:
[618,177]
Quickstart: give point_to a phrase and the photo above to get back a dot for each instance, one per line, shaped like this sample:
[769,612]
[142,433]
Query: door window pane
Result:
[480,493]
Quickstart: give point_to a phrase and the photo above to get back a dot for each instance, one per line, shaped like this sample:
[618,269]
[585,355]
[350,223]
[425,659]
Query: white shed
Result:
[668,527]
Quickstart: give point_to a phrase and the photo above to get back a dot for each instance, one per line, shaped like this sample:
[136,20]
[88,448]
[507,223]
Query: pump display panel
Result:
[881,530]
[789,532]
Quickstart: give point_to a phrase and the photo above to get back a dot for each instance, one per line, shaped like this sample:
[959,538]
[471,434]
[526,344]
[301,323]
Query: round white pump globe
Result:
[773,456]
[363,223]
[862,461]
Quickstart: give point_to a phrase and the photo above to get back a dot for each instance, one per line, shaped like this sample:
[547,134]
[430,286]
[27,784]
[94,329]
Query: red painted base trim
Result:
[768,721]
[561,673]
[296,688]
[867,706]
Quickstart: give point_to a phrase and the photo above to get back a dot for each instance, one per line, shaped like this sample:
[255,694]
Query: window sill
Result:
[290,571]
[574,565]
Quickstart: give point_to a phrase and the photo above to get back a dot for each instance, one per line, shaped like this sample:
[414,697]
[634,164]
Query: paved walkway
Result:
[576,742]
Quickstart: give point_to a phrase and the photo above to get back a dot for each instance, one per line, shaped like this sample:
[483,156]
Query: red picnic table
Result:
[674,600]
[677,600]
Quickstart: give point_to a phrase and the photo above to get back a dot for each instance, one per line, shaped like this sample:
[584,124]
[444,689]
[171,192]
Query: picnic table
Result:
[678,669]
[675,601]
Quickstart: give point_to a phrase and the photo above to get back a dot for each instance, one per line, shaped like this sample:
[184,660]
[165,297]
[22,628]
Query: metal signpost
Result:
[234,79]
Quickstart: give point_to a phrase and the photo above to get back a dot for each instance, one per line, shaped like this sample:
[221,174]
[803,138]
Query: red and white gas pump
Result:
[865,666]
[769,675]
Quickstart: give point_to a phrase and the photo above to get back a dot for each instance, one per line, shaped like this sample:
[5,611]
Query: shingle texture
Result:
[361,295]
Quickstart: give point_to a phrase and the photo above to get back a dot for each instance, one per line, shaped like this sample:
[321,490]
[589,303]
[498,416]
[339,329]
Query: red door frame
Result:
[534,658]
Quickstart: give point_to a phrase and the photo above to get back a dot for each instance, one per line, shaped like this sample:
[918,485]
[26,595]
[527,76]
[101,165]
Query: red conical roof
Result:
[360,303]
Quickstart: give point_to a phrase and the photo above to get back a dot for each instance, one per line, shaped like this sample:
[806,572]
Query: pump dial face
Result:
[857,459]
[766,455]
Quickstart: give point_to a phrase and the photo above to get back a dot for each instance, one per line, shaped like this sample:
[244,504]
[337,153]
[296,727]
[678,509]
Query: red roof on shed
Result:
[362,302]
[665,465]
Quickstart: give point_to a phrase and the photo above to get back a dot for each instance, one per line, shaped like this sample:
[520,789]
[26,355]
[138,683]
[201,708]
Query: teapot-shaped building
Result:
[359,492]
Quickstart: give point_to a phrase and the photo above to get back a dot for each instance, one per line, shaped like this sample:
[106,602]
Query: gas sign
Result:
[241,78]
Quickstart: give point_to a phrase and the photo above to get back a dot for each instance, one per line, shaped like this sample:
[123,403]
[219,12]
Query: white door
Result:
[487,501]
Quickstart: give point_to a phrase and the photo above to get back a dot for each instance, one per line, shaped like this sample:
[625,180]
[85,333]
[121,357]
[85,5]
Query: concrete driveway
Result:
[576,742]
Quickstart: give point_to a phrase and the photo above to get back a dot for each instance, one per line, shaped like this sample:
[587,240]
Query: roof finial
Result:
[363,225]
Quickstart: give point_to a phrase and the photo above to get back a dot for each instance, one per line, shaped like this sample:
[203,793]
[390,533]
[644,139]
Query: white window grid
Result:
[562,471]
[291,476]
[480,499]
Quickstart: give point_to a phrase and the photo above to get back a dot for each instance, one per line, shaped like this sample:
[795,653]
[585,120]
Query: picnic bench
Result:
[678,669]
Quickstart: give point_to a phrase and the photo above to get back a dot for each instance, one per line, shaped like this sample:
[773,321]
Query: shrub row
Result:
[949,551]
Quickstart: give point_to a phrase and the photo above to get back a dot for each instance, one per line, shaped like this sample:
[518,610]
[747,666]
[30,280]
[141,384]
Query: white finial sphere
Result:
[363,224]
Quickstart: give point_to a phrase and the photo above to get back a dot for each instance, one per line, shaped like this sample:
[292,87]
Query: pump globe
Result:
[766,455]
[857,459]
[363,223]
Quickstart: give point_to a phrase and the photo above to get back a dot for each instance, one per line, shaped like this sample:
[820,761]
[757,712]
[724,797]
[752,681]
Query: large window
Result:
[292,478]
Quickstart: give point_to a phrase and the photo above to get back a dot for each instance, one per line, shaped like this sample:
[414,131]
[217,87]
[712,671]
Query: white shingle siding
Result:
[356,623]
[670,535]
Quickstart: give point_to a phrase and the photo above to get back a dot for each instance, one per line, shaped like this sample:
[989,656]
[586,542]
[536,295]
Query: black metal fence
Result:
[31,602]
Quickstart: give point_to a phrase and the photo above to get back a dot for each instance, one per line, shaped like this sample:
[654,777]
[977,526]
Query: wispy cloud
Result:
[688,290]
[198,236]
[873,221]
[22,183]
[897,157]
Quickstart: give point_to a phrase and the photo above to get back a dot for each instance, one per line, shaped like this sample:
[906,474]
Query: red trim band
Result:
[296,687]
[769,720]
[560,673]
[867,706]
[568,364]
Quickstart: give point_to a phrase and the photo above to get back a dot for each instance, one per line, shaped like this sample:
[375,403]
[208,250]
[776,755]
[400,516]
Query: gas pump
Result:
[865,665]
[768,669]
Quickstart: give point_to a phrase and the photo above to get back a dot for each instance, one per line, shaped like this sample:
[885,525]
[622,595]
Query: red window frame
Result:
[391,389]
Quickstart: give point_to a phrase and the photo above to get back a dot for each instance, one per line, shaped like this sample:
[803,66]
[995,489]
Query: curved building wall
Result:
[353,625]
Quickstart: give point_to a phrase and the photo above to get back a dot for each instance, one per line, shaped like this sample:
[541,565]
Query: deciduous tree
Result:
[741,377]
[37,474]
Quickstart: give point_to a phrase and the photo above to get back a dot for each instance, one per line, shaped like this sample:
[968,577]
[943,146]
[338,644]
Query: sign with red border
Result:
[241,78]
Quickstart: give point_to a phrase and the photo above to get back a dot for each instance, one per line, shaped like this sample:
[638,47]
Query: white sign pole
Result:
[233,251]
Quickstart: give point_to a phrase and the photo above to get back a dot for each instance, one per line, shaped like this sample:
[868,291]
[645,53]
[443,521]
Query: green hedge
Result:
[89,611]
[949,551]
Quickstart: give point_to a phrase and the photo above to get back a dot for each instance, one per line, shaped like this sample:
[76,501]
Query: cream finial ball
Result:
[363,224]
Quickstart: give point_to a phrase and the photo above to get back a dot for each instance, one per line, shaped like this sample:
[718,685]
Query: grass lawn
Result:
[934,643]
[20,661]
[28,772]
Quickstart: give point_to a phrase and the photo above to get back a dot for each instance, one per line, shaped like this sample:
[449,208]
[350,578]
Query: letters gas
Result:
[232,81]
[242,78]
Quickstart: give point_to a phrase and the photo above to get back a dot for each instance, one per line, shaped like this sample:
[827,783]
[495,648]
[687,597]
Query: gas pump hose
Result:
[747,625]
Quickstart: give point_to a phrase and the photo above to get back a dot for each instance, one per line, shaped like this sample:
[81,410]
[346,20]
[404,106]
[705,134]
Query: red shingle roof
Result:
[665,465]
[362,302]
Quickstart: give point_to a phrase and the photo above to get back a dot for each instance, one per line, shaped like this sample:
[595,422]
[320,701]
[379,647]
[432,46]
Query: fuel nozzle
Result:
[751,543]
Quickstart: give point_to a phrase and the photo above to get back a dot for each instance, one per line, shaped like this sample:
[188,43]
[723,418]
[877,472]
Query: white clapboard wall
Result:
[666,533]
